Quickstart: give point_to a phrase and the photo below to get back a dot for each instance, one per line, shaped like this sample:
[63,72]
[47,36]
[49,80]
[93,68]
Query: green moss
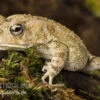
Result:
[95,73]
[89,95]
[23,74]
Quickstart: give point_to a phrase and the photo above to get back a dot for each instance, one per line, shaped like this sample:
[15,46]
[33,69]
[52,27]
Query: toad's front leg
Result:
[56,64]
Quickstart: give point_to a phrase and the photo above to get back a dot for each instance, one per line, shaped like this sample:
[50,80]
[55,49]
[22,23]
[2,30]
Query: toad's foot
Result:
[50,72]
[50,75]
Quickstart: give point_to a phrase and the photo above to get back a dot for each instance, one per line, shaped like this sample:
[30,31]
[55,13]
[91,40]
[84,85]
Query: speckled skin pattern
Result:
[61,48]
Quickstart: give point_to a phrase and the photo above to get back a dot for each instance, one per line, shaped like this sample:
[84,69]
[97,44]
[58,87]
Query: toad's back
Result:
[77,52]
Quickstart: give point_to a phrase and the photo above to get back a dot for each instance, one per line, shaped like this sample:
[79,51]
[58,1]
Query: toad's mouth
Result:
[4,46]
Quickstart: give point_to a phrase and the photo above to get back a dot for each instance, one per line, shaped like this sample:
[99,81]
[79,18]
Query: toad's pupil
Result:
[17,29]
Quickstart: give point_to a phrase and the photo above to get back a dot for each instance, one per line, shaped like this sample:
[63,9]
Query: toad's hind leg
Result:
[93,64]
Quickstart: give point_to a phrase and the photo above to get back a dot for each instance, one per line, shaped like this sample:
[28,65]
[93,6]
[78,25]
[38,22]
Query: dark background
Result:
[71,13]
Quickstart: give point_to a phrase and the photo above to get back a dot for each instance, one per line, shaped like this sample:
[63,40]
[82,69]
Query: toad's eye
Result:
[16,29]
